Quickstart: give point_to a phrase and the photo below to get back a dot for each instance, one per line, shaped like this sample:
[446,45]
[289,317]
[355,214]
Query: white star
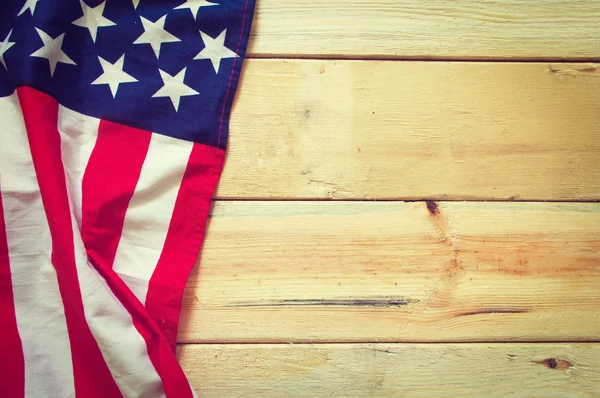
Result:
[4,46]
[135,3]
[29,5]
[52,51]
[194,5]
[114,75]
[93,19]
[155,34]
[215,50]
[174,88]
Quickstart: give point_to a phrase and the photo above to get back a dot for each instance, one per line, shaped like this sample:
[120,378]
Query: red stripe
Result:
[40,111]
[184,238]
[165,362]
[113,170]
[175,382]
[12,365]
[108,185]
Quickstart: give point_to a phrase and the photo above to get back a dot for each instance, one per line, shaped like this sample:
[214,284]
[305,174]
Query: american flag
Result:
[114,123]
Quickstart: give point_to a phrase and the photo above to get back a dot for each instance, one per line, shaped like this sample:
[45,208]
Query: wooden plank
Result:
[439,29]
[415,130]
[393,370]
[389,271]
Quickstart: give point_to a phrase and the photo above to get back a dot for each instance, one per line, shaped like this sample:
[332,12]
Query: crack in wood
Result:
[380,302]
[495,311]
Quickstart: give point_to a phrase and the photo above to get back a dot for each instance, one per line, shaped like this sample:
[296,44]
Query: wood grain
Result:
[390,271]
[393,370]
[438,29]
[414,130]
[431,272]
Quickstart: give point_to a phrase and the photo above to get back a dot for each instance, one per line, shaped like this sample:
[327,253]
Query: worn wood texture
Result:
[434,272]
[391,271]
[450,29]
[415,130]
[394,370]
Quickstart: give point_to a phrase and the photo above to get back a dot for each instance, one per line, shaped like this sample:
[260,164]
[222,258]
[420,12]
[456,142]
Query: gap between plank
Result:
[347,342]
[405,200]
[426,59]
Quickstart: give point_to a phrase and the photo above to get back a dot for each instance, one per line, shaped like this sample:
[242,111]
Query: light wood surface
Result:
[464,299]
[412,130]
[451,29]
[393,271]
[394,370]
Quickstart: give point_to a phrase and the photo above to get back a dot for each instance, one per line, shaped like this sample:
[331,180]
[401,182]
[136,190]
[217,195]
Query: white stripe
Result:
[78,134]
[38,304]
[122,347]
[149,213]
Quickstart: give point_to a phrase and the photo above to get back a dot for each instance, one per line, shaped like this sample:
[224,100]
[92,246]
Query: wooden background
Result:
[408,206]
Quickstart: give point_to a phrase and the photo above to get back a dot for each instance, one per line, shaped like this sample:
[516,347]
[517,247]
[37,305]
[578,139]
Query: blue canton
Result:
[169,67]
